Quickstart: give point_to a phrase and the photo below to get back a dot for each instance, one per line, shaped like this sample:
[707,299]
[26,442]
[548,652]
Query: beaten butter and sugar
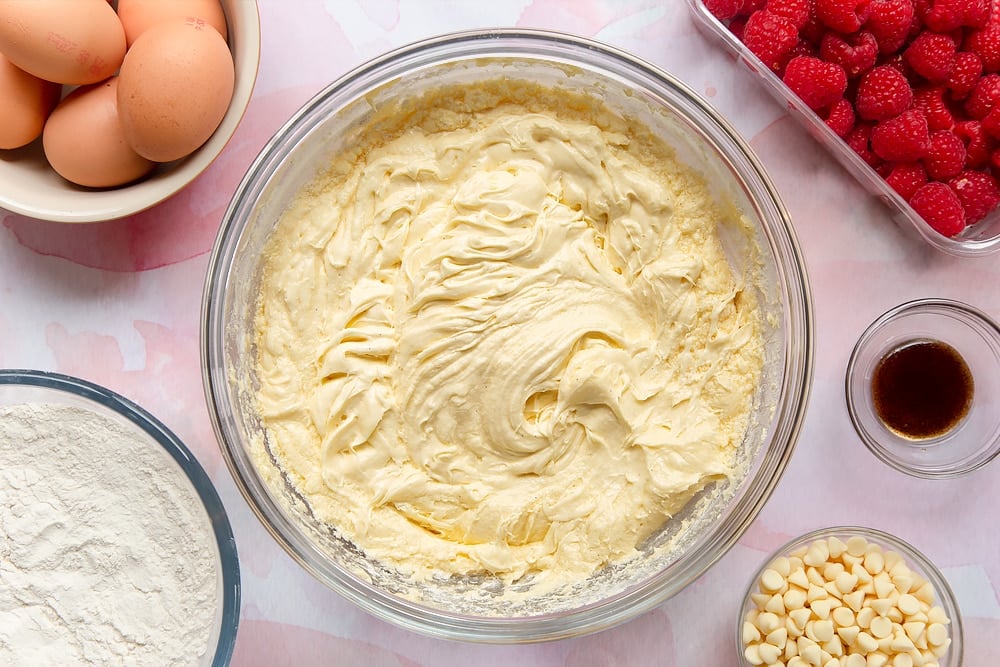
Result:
[500,336]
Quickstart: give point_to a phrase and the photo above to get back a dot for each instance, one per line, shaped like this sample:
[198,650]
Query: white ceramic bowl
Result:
[29,186]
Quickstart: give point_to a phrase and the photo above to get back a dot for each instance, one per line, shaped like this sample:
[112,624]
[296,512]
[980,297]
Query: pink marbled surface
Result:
[118,303]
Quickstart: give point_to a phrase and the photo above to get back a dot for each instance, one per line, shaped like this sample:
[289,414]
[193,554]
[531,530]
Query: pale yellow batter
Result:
[501,336]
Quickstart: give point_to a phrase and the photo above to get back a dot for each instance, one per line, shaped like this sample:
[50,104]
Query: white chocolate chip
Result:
[874,562]
[902,660]
[937,634]
[821,608]
[848,634]
[811,654]
[771,581]
[768,622]
[880,627]
[777,637]
[880,606]
[798,577]
[835,547]
[800,617]
[752,654]
[866,642]
[908,604]
[914,630]
[857,545]
[781,565]
[776,605]
[877,660]
[842,616]
[769,653]
[925,593]
[750,633]
[846,582]
[855,600]
[816,593]
[794,598]
[855,660]
[937,615]
[903,582]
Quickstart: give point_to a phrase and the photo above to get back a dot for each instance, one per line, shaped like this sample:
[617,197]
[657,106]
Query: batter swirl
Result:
[502,336]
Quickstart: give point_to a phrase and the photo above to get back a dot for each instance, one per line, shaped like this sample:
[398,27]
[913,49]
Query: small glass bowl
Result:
[39,387]
[975,440]
[917,562]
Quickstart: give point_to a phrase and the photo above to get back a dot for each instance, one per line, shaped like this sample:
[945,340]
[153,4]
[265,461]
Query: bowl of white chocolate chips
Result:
[849,596]
[506,336]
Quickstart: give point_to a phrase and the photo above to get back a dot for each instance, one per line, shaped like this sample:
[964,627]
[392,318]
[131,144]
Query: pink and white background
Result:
[118,303]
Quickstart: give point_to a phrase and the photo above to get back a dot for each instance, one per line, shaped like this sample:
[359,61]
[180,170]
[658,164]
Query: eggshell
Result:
[137,16]
[84,142]
[65,41]
[25,103]
[174,88]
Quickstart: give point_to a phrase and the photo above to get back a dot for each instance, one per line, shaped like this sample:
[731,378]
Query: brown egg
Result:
[137,16]
[84,142]
[65,41]
[174,88]
[25,103]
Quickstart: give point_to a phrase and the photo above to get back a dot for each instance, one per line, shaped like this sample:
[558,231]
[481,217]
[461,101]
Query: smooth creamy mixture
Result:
[501,336]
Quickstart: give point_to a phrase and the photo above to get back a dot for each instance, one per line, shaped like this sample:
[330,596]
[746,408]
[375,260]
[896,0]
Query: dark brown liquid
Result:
[922,389]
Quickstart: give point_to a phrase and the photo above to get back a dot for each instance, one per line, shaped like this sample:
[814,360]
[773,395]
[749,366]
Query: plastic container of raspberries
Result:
[939,181]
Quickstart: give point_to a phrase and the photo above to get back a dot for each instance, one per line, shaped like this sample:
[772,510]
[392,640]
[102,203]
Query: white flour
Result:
[106,554]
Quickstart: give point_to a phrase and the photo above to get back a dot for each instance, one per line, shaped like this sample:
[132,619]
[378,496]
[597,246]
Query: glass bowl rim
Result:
[211,502]
[793,281]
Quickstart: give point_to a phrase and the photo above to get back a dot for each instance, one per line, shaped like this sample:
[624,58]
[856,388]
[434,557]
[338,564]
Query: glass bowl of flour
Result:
[115,547]
[506,336]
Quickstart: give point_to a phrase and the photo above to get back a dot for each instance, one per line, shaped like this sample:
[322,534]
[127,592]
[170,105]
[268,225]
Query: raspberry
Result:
[964,75]
[940,207]
[855,53]
[751,6]
[978,146]
[883,93]
[814,29]
[946,156]
[945,15]
[904,138]
[770,38]
[796,11]
[723,9]
[930,100]
[985,43]
[859,139]
[978,192]
[840,117]
[906,178]
[801,48]
[818,83]
[932,56]
[889,21]
[983,97]
[737,26]
[844,16]
[991,124]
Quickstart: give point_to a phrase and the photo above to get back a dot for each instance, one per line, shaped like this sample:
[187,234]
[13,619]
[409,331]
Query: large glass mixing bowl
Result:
[768,259]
